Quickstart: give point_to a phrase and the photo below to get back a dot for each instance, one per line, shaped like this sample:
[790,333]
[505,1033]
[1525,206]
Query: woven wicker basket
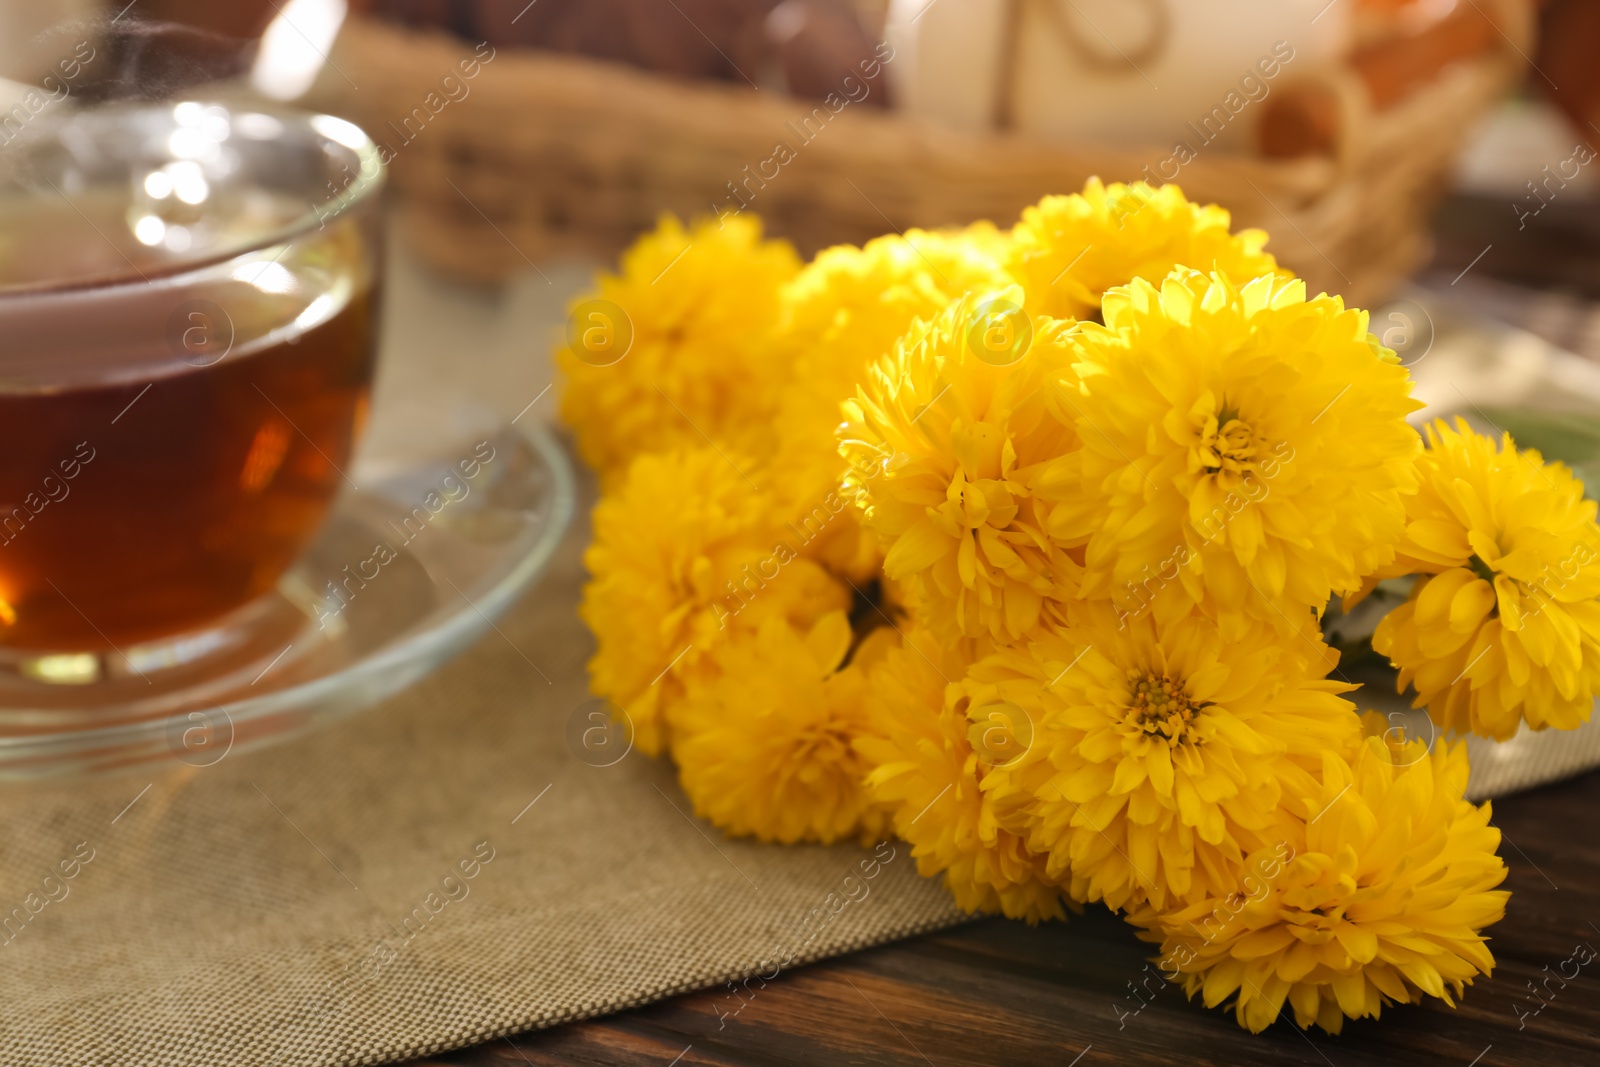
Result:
[550,154]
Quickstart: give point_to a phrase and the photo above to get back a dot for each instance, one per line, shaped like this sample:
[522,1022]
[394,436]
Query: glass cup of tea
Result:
[188,320]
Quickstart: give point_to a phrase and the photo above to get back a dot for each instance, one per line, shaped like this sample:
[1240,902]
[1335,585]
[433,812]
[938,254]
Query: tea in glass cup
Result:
[188,325]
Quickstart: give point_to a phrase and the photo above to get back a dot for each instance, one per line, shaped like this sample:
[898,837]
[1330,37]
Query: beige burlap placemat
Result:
[432,873]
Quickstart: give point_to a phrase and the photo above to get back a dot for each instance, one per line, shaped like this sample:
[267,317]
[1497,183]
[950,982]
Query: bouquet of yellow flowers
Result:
[1015,544]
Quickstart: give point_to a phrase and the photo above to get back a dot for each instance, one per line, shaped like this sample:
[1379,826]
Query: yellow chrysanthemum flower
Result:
[1159,750]
[1503,626]
[684,552]
[924,768]
[676,345]
[943,439]
[843,313]
[766,748]
[1069,250]
[1244,449]
[1375,892]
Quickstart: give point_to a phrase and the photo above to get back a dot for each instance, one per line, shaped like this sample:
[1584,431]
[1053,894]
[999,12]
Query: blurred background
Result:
[1382,143]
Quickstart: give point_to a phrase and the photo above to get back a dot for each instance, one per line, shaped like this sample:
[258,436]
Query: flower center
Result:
[971,505]
[1158,704]
[1227,443]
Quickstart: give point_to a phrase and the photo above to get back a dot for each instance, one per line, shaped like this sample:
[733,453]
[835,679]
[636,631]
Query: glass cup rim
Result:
[369,178]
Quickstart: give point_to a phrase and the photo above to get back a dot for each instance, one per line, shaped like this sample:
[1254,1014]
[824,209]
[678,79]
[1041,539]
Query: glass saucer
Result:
[409,569]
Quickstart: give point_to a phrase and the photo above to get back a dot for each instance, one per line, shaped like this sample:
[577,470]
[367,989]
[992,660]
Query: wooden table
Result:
[996,992]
